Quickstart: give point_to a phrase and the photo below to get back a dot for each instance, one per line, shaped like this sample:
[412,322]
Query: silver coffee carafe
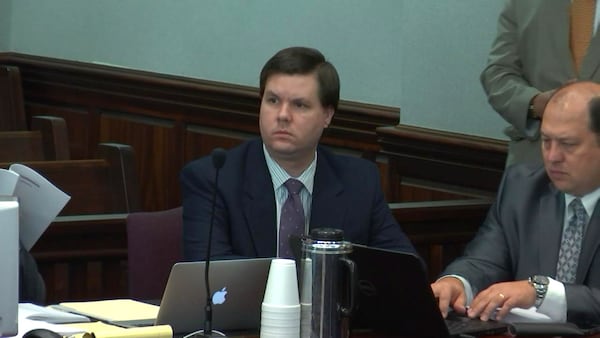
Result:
[327,285]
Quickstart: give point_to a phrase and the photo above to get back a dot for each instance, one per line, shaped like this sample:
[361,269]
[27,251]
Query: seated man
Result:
[255,214]
[538,246]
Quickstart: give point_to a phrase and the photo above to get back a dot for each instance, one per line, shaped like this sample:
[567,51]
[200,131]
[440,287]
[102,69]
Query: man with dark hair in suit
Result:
[538,246]
[299,92]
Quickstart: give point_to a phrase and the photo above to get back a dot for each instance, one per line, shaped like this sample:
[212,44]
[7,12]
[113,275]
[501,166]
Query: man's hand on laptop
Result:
[450,293]
[497,300]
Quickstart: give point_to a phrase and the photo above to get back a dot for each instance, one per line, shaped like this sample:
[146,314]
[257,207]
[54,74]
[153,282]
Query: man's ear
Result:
[329,111]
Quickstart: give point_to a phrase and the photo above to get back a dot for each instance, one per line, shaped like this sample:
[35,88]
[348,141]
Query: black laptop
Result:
[395,299]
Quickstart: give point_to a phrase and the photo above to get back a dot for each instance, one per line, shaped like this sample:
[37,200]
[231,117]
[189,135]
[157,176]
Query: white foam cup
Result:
[282,283]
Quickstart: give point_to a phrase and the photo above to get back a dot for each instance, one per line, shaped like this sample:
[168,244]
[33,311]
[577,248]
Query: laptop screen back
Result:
[395,296]
[238,288]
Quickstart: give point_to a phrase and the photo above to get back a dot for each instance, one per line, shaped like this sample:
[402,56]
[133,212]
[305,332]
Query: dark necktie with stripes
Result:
[292,217]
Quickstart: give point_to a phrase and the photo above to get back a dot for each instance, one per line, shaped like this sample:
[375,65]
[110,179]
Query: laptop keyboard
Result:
[459,324]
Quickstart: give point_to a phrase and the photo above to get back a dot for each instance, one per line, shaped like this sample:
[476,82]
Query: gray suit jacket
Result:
[521,237]
[530,55]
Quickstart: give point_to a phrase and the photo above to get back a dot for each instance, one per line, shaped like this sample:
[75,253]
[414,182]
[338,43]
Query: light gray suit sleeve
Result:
[504,80]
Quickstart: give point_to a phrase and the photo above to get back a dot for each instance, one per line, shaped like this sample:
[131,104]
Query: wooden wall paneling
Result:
[79,121]
[158,153]
[12,112]
[55,136]
[16,146]
[353,127]
[440,229]
[200,141]
[414,193]
[463,162]
[84,257]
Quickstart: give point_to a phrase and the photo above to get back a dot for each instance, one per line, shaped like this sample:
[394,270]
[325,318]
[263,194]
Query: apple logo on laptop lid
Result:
[219,296]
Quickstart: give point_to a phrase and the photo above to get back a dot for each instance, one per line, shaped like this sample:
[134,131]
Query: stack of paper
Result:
[75,319]
[122,312]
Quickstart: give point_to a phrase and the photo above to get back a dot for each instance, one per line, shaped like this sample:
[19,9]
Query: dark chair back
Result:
[154,242]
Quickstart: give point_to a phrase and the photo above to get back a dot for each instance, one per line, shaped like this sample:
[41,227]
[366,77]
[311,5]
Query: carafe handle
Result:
[346,310]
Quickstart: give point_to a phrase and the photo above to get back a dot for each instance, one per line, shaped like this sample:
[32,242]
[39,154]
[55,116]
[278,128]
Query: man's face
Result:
[292,117]
[570,149]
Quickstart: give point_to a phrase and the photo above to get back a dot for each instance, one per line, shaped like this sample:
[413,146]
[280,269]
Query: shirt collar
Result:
[279,175]
[589,201]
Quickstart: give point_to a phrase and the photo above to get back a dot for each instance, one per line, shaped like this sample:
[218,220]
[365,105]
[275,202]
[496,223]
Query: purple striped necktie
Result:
[292,217]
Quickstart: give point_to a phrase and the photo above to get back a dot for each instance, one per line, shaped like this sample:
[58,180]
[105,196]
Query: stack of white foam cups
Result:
[280,316]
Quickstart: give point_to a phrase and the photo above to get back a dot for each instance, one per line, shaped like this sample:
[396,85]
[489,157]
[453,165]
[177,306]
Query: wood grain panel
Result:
[461,163]
[158,156]
[79,124]
[200,141]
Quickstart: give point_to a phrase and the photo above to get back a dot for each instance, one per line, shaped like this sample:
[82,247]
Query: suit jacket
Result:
[521,237]
[531,54]
[346,195]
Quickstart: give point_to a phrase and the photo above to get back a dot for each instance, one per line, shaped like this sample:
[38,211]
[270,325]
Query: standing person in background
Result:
[540,46]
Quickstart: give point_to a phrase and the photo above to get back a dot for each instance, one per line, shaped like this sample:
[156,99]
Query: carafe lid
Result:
[327,234]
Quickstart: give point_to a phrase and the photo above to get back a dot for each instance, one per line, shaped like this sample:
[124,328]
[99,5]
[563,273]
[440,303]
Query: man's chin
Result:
[563,186]
[282,151]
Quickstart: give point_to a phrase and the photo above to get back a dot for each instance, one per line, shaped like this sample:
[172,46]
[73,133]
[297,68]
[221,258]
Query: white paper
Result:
[518,315]
[39,203]
[49,315]
[8,182]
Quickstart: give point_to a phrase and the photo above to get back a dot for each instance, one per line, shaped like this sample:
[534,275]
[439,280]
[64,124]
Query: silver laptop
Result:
[237,287]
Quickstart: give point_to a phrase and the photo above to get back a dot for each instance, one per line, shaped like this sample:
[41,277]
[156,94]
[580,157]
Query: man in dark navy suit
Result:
[299,92]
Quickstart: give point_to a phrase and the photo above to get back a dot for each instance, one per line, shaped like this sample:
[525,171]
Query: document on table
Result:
[33,317]
[112,310]
[48,314]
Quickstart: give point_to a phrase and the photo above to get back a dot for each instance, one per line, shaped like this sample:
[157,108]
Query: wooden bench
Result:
[47,141]
[106,184]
